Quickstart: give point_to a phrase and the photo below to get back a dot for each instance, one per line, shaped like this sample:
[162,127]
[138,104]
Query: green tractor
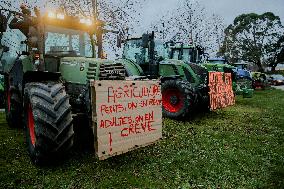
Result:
[192,54]
[241,77]
[49,82]
[184,86]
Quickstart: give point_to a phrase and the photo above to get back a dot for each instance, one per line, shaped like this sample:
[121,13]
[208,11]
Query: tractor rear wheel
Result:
[13,105]
[178,99]
[48,121]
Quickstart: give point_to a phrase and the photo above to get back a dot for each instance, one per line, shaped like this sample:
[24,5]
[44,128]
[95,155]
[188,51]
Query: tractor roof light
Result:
[51,15]
[89,22]
[60,16]
[86,21]
[54,15]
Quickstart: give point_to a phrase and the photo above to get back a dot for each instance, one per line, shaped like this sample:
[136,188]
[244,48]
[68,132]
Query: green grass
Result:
[238,147]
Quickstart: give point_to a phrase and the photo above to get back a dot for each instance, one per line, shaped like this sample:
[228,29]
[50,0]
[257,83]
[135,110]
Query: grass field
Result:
[238,147]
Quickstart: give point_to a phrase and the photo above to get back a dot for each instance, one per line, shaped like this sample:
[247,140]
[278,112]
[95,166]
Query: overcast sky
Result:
[228,9]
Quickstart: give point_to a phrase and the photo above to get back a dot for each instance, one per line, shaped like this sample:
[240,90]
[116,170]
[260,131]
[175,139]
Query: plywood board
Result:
[220,90]
[128,115]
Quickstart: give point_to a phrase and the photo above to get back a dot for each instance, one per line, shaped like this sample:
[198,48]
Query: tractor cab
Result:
[152,56]
[144,52]
[62,42]
[66,36]
[187,53]
[63,36]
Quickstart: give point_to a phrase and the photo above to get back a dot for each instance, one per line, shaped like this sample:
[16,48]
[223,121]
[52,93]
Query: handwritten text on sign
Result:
[129,115]
[221,90]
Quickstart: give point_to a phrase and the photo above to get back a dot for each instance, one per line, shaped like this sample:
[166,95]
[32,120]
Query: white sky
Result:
[228,9]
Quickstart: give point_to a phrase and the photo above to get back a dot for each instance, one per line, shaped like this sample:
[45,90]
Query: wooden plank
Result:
[126,115]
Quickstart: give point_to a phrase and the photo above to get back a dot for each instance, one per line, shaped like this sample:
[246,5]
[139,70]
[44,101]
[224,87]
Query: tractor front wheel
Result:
[178,99]
[48,121]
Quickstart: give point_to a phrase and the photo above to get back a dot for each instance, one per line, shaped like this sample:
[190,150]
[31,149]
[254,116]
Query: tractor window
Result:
[134,51]
[160,50]
[187,55]
[176,54]
[62,41]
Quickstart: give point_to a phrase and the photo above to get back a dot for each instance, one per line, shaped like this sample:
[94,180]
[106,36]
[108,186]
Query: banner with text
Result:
[220,90]
[128,115]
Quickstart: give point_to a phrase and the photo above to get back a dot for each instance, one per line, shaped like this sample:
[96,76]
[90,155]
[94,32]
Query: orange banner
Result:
[220,90]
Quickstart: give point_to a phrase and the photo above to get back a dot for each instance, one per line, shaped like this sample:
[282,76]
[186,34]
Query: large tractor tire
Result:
[178,99]
[48,121]
[13,105]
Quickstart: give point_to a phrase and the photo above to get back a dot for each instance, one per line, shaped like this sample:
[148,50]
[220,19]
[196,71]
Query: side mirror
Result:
[145,40]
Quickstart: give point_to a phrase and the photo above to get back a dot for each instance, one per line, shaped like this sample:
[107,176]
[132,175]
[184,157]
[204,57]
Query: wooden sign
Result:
[220,90]
[128,115]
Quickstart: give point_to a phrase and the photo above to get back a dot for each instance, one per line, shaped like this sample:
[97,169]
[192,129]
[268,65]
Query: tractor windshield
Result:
[67,42]
[187,55]
[134,51]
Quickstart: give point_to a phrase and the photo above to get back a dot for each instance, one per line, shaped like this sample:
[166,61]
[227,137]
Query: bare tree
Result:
[121,15]
[189,22]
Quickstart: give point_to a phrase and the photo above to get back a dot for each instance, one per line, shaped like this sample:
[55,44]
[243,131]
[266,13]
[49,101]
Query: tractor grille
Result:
[91,73]
[112,72]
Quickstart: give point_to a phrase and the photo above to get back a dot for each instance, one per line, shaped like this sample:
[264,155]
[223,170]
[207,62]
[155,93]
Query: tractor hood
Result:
[131,67]
[80,70]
